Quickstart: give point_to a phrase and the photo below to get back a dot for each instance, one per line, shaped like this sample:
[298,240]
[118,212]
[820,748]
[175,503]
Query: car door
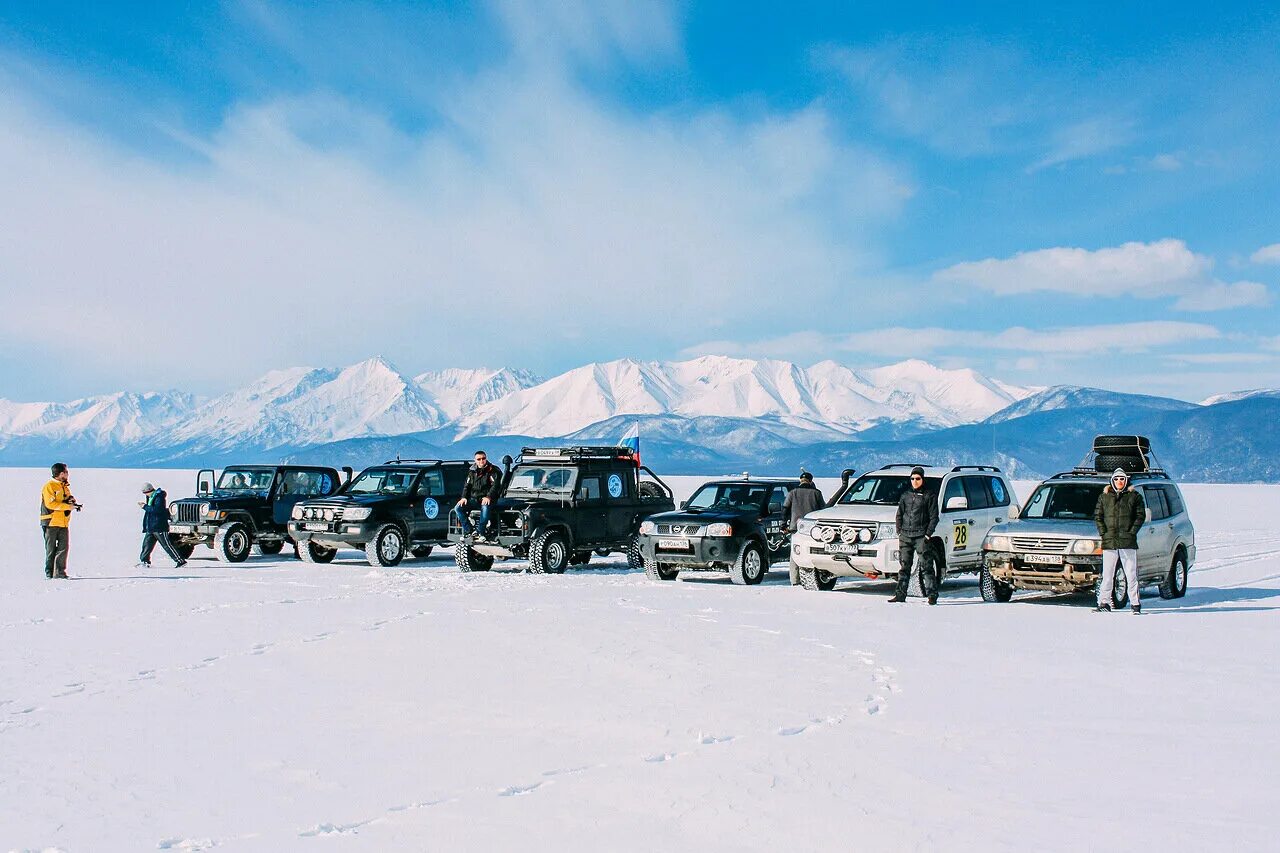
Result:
[292,487]
[955,527]
[428,509]
[591,511]
[772,523]
[1001,499]
[966,543]
[620,504]
[1183,530]
[1155,540]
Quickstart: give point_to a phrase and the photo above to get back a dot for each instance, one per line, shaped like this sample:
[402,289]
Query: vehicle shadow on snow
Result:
[1209,599]
[770,579]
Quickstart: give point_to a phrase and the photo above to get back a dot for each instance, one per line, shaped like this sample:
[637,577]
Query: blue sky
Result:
[192,194]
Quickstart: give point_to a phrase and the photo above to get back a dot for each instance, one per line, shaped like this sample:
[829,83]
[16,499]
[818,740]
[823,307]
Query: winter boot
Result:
[1137,609]
[1102,608]
[933,598]
[898,598]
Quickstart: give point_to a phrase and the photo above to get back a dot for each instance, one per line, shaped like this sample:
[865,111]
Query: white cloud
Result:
[1166,163]
[1220,296]
[1267,255]
[1085,139]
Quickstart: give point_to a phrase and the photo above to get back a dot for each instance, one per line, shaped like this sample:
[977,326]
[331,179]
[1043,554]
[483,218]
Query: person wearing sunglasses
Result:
[917,519]
[1119,514]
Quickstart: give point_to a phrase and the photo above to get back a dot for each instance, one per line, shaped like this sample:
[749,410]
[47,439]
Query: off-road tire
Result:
[650,489]
[816,579]
[184,549]
[233,542]
[751,565]
[549,553]
[635,556]
[269,549]
[660,571]
[1174,584]
[993,591]
[1132,444]
[422,552]
[470,560]
[580,558]
[386,548]
[1133,463]
[310,552]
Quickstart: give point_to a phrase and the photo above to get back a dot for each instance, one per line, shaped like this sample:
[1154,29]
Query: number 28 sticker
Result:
[960,540]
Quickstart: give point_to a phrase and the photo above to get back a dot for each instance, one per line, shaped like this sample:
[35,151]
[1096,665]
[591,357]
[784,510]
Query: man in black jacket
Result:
[155,527]
[916,521]
[1119,514]
[484,485]
[802,500]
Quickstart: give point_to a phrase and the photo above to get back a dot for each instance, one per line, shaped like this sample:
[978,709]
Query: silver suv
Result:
[856,537]
[1053,543]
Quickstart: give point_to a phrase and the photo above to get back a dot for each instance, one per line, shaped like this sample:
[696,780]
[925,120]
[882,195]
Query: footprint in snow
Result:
[568,771]
[71,690]
[707,740]
[186,844]
[520,790]
[318,637]
[792,731]
[260,648]
[333,829]
[145,675]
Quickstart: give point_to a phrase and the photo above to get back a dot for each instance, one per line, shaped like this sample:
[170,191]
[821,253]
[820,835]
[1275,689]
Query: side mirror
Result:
[204,487]
[684,504]
[956,502]
[1014,510]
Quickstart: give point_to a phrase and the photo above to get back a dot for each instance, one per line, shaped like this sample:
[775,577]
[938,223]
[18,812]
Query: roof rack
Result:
[908,465]
[579,452]
[399,461]
[1152,474]
[975,468]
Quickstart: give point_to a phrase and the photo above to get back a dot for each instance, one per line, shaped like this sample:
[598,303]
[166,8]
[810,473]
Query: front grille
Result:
[678,529]
[188,513]
[1042,544]
[322,513]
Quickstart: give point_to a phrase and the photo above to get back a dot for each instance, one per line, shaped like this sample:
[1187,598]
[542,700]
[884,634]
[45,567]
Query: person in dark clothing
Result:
[484,485]
[56,506]
[917,519]
[800,501]
[155,527]
[1119,514]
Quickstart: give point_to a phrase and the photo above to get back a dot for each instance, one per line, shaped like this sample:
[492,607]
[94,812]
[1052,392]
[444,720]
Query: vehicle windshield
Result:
[382,481]
[1063,501]
[245,480]
[884,490]
[729,496]
[542,478]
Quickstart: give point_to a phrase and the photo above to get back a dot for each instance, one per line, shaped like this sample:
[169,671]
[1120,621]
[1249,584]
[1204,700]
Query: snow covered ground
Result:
[276,706]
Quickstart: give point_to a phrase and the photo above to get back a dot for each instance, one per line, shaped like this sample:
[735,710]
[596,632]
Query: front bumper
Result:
[1075,574]
[203,532]
[704,552]
[333,534]
[870,559]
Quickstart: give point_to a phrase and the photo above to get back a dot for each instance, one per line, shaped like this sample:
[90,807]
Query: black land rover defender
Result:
[561,504]
[390,509]
[248,507]
[732,525]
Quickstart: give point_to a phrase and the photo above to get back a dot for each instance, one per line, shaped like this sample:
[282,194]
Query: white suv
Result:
[856,536]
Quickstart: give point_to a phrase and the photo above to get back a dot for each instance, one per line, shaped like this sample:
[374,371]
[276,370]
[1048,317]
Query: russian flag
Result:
[631,439]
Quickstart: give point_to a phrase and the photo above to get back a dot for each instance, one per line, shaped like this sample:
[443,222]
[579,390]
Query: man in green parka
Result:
[1120,514]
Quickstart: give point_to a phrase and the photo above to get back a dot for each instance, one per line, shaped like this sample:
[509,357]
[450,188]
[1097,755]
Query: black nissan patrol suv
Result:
[248,507]
[389,510]
[560,505]
[732,525]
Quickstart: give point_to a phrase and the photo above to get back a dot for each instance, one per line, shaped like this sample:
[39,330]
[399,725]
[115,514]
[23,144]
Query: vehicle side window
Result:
[432,483]
[455,477]
[589,488]
[776,498]
[618,486]
[1155,503]
[976,488]
[998,491]
[955,489]
[1174,499]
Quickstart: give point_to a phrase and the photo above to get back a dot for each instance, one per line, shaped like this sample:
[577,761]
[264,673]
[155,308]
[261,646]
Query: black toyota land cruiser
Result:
[732,525]
[248,507]
[561,504]
[389,510]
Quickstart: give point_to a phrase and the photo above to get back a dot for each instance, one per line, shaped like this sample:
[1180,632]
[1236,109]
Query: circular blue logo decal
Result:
[431,508]
[997,489]
[615,486]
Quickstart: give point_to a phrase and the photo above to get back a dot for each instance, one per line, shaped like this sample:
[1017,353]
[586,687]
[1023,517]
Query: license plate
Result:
[317,525]
[1043,559]
[841,548]
[182,528]
[674,544]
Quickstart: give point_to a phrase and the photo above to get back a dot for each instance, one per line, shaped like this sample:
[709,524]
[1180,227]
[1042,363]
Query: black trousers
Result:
[57,542]
[909,547]
[149,541]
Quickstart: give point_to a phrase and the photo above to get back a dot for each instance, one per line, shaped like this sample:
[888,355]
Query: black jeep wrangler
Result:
[248,507]
[732,525]
[390,509]
[560,505]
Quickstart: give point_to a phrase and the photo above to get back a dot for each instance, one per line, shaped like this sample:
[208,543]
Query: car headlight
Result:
[997,543]
[849,535]
[1086,546]
[866,534]
[886,530]
[357,513]
[297,512]
[720,529]
[173,510]
[519,523]
[206,509]
[805,526]
[648,528]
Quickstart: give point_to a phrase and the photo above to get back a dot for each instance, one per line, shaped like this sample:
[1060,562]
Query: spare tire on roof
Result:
[1135,444]
[1108,462]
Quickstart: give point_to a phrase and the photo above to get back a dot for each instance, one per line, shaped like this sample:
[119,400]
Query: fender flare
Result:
[556,525]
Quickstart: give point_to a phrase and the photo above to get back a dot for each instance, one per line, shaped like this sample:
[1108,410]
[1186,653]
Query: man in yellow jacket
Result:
[56,506]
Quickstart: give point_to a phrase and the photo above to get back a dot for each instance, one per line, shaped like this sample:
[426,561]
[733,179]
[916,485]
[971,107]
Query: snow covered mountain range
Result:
[301,407]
